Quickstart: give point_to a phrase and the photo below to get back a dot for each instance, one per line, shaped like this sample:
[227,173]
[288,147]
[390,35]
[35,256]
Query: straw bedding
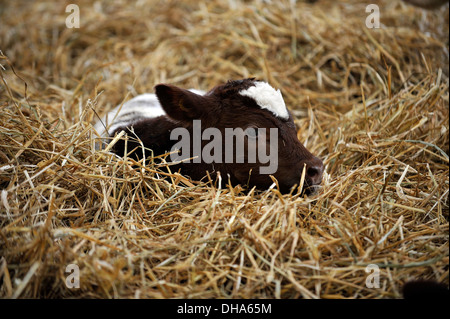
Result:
[372,103]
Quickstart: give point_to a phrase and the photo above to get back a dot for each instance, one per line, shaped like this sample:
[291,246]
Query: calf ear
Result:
[180,104]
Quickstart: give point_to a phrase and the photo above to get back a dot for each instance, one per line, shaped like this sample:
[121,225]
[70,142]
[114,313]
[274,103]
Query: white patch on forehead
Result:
[267,98]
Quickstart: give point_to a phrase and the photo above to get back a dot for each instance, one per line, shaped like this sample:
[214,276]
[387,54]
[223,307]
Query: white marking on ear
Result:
[267,98]
[141,107]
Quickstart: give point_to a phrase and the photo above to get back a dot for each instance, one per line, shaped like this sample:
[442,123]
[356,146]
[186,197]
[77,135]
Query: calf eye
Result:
[251,132]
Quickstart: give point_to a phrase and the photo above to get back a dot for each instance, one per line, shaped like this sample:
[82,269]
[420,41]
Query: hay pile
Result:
[372,103]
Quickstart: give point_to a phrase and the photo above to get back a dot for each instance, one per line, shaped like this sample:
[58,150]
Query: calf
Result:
[248,111]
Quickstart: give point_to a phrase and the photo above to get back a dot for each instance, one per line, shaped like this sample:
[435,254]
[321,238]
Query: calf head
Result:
[262,132]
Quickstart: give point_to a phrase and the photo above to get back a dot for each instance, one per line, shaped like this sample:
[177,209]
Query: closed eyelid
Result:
[251,131]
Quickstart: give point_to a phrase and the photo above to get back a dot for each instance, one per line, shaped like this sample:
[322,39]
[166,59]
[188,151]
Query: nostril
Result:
[312,172]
